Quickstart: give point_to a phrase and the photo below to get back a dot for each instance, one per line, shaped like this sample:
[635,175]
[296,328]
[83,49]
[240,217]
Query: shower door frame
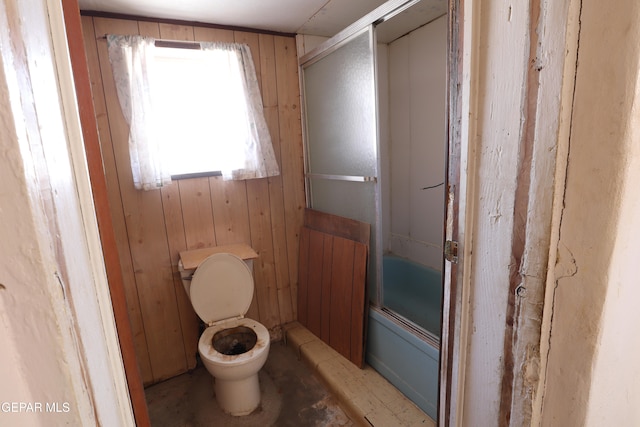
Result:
[355,30]
[453,336]
[367,23]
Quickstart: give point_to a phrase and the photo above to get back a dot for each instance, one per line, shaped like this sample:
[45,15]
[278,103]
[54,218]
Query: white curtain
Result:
[259,158]
[131,60]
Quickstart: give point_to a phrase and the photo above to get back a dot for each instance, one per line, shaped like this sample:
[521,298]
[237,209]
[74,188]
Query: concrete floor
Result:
[291,396]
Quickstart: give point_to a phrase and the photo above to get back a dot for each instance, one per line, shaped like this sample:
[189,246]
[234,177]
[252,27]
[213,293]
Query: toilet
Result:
[232,348]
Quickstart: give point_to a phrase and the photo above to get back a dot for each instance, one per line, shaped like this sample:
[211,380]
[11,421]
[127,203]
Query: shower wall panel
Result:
[417,144]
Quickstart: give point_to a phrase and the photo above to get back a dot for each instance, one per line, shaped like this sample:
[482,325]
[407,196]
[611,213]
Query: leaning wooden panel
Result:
[359,304]
[314,292]
[341,294]
[325,308]
[332,291]
[102,26]
[337,225]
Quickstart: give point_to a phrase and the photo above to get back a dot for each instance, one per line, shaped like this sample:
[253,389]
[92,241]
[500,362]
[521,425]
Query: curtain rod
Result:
[178,44]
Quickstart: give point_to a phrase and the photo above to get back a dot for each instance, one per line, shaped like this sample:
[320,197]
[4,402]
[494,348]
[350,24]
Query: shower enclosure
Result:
[375,105]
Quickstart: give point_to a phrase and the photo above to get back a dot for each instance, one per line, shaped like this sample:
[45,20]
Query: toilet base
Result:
[238,397]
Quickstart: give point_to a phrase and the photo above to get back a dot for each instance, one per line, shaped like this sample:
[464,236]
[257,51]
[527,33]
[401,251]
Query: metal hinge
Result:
[451,251]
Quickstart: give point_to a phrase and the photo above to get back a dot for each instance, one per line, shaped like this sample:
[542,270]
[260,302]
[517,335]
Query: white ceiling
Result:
[317,17]
[314,17]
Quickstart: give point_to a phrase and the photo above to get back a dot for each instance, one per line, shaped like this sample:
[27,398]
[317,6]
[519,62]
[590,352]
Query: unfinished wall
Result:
[499,56]
[152,227]
[417,140]
[593,377]
[59,362]
[35,351]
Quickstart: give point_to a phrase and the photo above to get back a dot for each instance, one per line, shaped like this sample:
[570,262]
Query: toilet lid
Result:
[221,288]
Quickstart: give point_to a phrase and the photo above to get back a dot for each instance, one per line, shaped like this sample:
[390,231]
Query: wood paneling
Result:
[152,227]
[332,277]
[291,158]
[113,187]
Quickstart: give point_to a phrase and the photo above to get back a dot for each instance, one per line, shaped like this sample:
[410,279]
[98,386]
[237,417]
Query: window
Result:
[201,110]
[190,111]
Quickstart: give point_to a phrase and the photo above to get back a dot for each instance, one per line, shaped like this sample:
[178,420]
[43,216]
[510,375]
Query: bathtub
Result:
[405,352]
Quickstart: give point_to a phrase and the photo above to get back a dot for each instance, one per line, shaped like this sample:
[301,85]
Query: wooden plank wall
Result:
[153,226]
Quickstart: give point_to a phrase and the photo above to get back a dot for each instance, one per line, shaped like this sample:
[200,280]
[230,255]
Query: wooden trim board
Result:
[192,259]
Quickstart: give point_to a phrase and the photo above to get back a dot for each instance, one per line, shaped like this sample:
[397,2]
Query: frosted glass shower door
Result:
[341,143]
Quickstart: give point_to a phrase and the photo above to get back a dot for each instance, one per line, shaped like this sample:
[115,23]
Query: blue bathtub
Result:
[401,352]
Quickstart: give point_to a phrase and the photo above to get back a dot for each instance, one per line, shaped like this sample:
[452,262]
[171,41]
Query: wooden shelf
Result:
[192,259]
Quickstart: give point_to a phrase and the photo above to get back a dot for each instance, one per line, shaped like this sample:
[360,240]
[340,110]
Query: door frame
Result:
[59,191]
[455,307]
[82,84]
[535,47]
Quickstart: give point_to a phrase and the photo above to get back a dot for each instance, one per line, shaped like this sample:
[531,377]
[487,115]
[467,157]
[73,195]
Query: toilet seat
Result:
[206,349]
[221,288]
[221,291]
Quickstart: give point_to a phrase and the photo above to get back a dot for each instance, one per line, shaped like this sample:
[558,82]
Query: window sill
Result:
[195,175]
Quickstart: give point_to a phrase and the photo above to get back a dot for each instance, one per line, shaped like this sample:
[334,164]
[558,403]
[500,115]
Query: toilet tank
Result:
[190,260]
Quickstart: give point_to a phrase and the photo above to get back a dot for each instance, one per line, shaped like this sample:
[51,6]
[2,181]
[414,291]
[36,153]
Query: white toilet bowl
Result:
[236,375]
[233,348]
